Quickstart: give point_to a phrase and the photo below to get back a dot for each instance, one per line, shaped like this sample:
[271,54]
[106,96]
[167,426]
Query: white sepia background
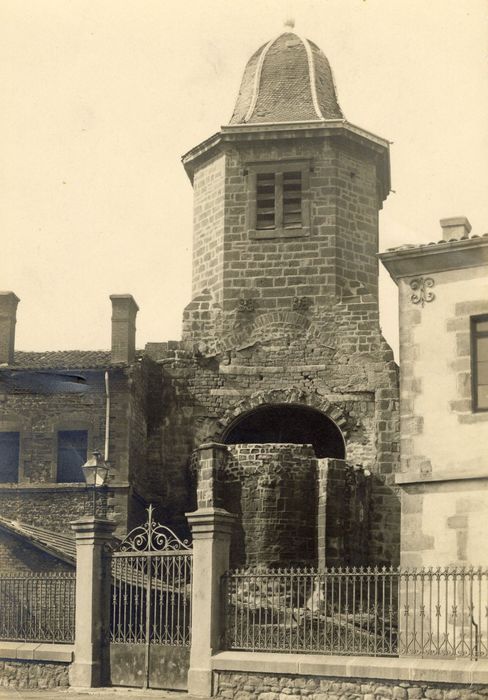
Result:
[100,100]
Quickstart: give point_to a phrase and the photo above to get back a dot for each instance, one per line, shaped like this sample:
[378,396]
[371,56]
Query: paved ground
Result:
[102,693]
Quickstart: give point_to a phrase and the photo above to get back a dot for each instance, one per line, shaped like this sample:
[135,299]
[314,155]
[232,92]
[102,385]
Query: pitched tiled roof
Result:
[288,79]
[58,545]
[63,359]
[413,246]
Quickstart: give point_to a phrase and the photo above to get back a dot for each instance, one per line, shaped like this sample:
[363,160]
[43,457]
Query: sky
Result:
[101,99]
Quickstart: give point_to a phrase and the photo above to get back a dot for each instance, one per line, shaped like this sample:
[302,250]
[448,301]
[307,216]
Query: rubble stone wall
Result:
[23,675]
[257,686]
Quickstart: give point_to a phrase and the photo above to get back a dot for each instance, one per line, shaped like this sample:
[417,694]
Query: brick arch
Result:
[292,395]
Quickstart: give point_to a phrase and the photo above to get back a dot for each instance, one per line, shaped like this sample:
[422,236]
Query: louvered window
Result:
[279,199]
[292,199]
[265,201]
[479,362]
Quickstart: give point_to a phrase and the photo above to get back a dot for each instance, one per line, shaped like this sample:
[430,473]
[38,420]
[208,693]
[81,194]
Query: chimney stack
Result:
[124,312]
[8,317]
[456,227]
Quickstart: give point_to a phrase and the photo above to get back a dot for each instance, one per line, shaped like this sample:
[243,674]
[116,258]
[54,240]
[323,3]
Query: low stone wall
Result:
[260,686]
[32,674]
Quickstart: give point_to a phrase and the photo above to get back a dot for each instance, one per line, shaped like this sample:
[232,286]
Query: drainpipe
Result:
[107,417]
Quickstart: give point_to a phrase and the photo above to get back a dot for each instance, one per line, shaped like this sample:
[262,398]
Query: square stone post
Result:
[92,602]
[211,529]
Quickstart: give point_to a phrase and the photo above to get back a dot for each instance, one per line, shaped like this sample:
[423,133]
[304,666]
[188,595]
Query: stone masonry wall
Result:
[337,258]
[24,675]
[39,404]
[336,362]
[343,520]
[271,487]
[208,227]
[258,686]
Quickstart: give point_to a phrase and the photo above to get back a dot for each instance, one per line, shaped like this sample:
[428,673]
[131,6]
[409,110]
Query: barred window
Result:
[9,456]
[479,362]
[72,453]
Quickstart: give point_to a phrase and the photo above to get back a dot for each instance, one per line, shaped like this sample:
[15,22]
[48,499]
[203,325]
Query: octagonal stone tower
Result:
[287,194]
[281,340]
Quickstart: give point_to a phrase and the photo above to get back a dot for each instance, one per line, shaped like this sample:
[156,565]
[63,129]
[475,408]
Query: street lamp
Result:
[95,471]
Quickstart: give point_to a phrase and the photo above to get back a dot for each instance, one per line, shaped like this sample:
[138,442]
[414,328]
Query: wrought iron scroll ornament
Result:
[152,537]
[421,288]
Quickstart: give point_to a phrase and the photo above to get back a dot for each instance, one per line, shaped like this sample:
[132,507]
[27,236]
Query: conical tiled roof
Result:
[287,80]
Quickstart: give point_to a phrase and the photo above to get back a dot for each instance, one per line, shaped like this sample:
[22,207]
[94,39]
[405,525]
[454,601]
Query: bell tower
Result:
[286,196]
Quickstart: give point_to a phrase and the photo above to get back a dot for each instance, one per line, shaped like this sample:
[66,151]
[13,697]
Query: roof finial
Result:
[290,23]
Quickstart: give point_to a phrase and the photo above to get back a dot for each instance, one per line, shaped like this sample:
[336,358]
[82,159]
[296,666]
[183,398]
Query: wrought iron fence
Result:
[37,607]
[358,611]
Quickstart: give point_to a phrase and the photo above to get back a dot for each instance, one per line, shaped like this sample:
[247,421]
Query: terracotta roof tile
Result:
[63,359]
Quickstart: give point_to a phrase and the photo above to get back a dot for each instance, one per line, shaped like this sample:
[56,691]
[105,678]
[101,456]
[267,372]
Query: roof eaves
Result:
[16,529]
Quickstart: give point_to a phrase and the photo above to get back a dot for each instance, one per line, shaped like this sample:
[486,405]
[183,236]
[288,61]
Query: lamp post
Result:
[95,471]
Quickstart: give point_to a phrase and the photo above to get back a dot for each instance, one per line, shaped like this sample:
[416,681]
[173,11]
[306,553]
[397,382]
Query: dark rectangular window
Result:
[279,200]
[292,199]
[9,457]
[72,452]
[265,201]
[479,362]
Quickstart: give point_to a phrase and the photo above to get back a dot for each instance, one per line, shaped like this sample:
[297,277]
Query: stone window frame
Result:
[68,424]
[12,424]
[252,169]
[474,335]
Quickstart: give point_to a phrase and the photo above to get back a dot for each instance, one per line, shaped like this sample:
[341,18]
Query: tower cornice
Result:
[331,128]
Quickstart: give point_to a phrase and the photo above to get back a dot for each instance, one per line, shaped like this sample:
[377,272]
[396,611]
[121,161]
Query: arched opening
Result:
[288,423]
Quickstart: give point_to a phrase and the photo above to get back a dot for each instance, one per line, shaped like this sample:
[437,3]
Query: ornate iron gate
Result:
[150,622]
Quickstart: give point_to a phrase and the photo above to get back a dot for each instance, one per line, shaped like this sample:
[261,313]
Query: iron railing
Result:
[151,587]
[37,607]
[358,611]
[151,599]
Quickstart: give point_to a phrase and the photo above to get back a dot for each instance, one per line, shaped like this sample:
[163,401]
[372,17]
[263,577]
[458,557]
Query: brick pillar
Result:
[212,457]
[92,602]
[8,317]
[330,515]
[211,529]
[124,312]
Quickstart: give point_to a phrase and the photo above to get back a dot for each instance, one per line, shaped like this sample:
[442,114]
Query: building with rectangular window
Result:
[281,356]
[443,296]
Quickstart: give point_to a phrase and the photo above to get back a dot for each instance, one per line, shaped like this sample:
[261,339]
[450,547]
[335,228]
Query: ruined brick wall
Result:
[271,487]
[344,514]
[337,363]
